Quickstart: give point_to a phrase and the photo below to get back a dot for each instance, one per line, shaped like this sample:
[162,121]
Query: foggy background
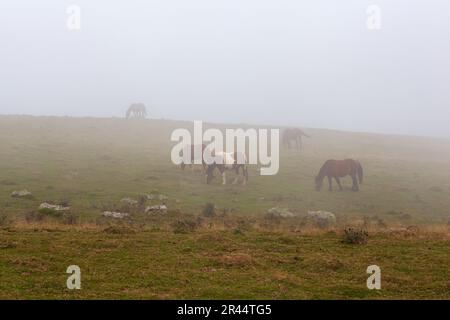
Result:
[280,62]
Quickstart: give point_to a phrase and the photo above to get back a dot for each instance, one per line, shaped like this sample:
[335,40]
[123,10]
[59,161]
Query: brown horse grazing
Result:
[295,134]
[340,168]
[192,150]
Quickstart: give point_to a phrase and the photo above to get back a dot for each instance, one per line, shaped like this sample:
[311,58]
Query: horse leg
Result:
[236,179]
[338,182]
[355,186]
[209,173]
[329,184]
[245,173]
[222,170]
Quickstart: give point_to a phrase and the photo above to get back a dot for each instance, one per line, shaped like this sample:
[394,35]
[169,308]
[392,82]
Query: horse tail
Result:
[360,172]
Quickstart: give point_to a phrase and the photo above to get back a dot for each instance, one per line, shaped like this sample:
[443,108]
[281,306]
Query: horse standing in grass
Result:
[295,134]
[137,110]
[228,161]
[340,168]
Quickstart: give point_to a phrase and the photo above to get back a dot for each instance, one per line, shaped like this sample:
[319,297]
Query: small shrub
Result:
[352,236]
[142,200]
[184,226]
[209,210]
[4,220]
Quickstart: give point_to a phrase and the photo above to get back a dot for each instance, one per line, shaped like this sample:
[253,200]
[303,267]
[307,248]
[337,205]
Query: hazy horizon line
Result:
[277,125]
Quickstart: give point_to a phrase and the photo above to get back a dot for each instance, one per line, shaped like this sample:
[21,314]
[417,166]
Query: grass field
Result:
[92,164]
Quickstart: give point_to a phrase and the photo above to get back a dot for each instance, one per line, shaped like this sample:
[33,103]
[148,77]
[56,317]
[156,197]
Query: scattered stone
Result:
[151,197]
[321,219]
[162,197]
[161,209]
[53,207]
[115,215]
[279,213]
[129,201]
[21,194]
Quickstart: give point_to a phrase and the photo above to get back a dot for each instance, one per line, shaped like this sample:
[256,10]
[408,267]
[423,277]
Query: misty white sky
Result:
[283,62]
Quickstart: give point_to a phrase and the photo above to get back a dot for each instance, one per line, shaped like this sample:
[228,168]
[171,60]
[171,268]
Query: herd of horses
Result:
[237,162]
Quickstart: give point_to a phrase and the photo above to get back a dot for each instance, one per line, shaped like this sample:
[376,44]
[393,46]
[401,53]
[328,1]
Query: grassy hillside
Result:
[91,164]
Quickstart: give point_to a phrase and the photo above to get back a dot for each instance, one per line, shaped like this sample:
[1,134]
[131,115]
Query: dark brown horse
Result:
[295,134]
[340,168]
[193,148]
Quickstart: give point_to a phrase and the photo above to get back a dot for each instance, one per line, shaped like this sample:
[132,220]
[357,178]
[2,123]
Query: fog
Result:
[283,62]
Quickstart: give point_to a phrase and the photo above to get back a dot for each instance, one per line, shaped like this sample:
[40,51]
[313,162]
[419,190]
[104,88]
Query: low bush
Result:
[352,236]
[209,210]
[184,226]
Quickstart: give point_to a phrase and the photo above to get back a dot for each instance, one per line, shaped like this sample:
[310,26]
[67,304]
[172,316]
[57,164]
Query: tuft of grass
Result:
[209,210]
[5,220]
[352,236]
[184,226]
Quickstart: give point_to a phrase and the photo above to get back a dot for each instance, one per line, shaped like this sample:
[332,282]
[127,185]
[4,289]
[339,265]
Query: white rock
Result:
[129,201]
[21,194]
[116,215]
[162,209]
[322,219]
[279,212]
[55,207]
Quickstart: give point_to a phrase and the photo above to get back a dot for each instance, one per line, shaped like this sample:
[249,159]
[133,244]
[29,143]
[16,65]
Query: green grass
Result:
[219,265]
[93,163]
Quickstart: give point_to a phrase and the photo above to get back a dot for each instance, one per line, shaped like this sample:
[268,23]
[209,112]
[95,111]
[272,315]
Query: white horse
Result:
[228,161]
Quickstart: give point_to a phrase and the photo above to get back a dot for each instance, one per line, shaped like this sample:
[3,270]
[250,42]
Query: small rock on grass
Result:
[161,209]
[115,215]
[279,213]
[21,194]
